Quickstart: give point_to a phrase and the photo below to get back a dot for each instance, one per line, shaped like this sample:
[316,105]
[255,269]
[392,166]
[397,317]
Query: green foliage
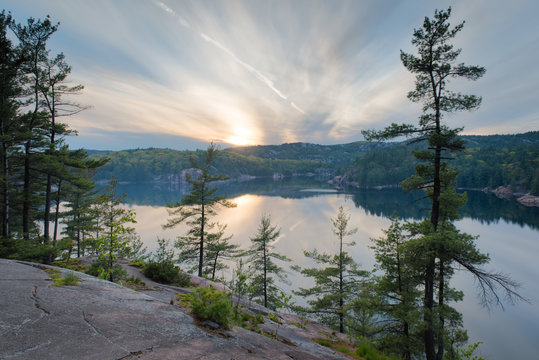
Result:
[135,283]
[336,281]
[468,353]
[363,351]
[183,279]
[425,258]
[274,318]
[116,239]
[137,263]
[27,250]
[71,264]
[196,209]
[489,161]
[147,165]
[323,342]
[264,269]
[163,272]
[97,267]
[368,352]
[68,279]
[212,304]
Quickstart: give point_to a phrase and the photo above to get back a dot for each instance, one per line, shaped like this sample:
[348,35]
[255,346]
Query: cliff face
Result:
[101,320]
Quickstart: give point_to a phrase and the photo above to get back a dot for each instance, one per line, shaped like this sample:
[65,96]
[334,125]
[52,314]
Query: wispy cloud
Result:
[273,72]
[251,69]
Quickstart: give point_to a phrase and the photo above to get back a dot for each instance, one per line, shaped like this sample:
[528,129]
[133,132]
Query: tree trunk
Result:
[341,290]
[47,214]
[57,212]
[265,277]
[26,194]
[441,284]
[5,189]
[201,248]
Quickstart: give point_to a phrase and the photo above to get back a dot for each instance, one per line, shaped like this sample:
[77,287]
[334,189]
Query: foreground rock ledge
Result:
[101,320]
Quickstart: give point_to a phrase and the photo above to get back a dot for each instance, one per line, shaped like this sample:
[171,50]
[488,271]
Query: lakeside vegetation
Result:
[488,161]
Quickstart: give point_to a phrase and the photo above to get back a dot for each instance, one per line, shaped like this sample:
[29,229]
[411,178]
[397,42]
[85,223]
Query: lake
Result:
[302,209]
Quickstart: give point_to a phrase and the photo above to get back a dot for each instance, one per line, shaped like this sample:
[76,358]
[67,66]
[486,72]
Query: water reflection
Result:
[486,208]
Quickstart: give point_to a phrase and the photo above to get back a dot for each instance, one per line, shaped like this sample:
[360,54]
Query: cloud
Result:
[312,71]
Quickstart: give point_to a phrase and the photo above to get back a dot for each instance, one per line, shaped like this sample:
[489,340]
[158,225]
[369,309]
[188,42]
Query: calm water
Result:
[302,209]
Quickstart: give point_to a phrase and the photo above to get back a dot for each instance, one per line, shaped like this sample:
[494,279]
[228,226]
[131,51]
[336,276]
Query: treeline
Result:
[38,170]
[487,161]
[146,165]
[336,155]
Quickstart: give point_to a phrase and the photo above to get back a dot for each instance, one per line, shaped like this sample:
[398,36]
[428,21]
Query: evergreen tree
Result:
[116,234]
[434,67]
[218,249]
[33,40]
[10,61]
[264,270]
[54,73]
[337,282]
[197,208]
[397,289]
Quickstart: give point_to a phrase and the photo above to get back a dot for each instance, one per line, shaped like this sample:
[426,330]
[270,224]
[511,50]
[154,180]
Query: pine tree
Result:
[116,233]
[435,66]
[218,249]
[397,288]
[337,282]
[197,208]
[264,270]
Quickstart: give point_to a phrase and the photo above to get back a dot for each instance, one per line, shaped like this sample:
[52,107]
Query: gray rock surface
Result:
[101,320]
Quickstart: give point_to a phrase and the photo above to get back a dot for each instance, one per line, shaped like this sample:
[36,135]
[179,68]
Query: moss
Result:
[69,279]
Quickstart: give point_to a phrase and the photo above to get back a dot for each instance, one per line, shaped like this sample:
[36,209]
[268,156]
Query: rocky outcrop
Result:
[98,319]
[503,192]
[529,200]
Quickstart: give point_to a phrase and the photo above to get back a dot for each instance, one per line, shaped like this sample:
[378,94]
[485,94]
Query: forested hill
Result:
[488,161]
[147,165]
[338,155]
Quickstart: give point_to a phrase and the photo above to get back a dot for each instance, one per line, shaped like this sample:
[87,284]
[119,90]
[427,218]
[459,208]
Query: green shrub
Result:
[117,270]
[257,319]
[274,318]
[368,352]
[162,272]
[69,279]
[27,250]
[324,342]
[137,263]
[71,264]
[182,279]
[211,304]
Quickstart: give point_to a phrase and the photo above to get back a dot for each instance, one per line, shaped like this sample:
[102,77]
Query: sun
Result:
[241,137]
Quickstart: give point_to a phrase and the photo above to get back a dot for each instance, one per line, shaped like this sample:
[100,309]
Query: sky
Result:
[180,74]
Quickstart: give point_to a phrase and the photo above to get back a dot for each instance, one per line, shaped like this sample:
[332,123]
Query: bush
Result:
[27,250]
[137,263]
[211,304]
[183,279]
[71,264]
[117,270]
[68,279]
[367,351]
[162,272]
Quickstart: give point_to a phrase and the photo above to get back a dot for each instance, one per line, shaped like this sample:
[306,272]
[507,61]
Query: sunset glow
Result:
[241,137]
[266,72]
